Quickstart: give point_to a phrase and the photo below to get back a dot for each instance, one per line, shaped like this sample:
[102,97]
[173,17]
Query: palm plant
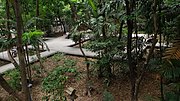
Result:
[34,38]
[170,71]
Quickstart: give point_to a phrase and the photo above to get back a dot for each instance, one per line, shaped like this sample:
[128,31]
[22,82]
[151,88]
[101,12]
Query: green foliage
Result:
[28,24]
[107,49]
[55,81]
[93,6]
[107,96]
[14,79]
[154,64]
[32,37]
[4,41]
[112,44]
[75,37]
[103,20]
[70,63]
[58,56]
[172,96]
[170,70]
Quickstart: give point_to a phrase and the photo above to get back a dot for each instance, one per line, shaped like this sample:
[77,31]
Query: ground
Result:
[119,86]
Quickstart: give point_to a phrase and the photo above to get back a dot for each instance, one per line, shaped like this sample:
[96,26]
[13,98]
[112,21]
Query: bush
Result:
[57,57]
[55,81]
[14,79]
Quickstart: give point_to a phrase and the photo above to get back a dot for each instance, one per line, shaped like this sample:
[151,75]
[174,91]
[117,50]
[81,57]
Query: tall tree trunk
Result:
[28,64]
[39,55]
[8,18]
[160,41]
[3,82]
[104,26]
[20,50]
[37,12]
[156,29]
[129,45]
[9,35]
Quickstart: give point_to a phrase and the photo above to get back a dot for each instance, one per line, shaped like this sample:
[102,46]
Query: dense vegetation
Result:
[114,27]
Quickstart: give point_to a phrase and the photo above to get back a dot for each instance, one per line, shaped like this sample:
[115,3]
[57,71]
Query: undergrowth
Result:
[54,83]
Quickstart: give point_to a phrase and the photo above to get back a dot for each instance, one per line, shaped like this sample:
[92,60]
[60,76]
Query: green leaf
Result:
[93,6]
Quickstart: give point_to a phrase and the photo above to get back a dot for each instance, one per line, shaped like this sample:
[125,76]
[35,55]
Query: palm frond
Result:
[174,51]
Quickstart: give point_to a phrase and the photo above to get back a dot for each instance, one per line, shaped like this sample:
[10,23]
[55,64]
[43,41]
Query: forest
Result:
[89,50]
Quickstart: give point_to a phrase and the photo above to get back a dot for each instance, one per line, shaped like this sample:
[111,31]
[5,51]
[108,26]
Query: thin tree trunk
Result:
[37,13]
[28,63]
[104,26]
[159,29]
[37,8]
[39,56]
[160,41]
[137,38]
[162,89]
[3,82]
[9,35]
[156,29]
[178,26]
[120,30]
[13,61]
[20,50]
[87,68]
[8,18]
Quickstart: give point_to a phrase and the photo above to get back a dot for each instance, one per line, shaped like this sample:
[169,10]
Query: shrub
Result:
[55,81]
[14,79]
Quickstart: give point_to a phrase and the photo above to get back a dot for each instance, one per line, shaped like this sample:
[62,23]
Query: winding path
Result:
[59,44]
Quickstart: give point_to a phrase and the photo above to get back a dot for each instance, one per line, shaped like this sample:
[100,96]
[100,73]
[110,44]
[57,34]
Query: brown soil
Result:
[119,86]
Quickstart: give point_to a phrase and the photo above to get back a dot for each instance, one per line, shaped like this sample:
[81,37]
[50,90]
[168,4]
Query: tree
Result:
[3,82]
[129,10]
[88,91]
[21,55]
[9,36]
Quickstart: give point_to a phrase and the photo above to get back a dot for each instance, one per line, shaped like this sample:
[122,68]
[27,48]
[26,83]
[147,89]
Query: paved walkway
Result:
[4,56]
[55,45]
